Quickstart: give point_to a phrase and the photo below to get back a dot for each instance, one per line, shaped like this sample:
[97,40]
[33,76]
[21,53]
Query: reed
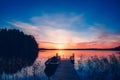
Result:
[99,68]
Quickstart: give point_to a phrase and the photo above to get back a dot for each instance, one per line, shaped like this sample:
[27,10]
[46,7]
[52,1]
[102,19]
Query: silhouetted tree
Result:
[17,50]
[116,48]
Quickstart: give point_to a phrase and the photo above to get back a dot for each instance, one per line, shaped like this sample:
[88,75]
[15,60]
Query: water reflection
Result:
[78,53]
[37,69]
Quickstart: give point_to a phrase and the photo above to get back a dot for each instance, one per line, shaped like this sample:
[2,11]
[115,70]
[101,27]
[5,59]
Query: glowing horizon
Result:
[65,23]
[50,45]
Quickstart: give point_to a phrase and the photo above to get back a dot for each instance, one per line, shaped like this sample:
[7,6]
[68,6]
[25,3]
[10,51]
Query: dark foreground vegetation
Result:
[99,68]
[17,50]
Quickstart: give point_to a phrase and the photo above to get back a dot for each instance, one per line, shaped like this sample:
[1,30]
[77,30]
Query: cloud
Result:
[58,20]
[98,44]
[59,28]
[104,34]
[54,28]
[47,33]
[105,38]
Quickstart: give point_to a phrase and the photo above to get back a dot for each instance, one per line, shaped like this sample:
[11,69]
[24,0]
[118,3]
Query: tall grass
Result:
[99,68]
[34,72]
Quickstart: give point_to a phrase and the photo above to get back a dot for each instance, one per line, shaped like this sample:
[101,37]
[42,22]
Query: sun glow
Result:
[60,46]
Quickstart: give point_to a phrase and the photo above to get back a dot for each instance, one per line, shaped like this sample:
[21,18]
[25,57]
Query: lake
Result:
[65,54]
[37,70]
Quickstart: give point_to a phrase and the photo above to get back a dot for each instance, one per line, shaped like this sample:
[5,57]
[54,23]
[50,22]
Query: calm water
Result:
[65,54]
[37,70]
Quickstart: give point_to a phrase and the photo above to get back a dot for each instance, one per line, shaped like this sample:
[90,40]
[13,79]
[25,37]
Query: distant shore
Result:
[112,49]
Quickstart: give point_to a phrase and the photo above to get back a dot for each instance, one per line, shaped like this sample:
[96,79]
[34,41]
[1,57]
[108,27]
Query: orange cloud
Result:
[79,45]
[102,44]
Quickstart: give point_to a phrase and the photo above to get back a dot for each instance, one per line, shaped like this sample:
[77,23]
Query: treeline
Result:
[15,45]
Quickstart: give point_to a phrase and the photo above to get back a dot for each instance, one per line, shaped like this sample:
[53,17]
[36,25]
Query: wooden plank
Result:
[65,71]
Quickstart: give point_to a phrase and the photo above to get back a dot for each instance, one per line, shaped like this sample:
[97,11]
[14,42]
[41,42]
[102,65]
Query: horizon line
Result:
[81,49]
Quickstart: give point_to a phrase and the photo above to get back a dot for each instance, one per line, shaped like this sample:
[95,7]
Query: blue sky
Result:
[73,21]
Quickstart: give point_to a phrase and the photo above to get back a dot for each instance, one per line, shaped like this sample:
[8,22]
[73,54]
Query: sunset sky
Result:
[65,23]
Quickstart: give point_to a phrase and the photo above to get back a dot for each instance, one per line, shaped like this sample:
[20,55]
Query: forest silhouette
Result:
[17,50]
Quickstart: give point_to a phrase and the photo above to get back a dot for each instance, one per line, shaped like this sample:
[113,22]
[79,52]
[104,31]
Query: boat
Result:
[51,65]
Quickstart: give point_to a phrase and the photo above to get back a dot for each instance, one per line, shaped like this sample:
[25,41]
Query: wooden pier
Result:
[65,71]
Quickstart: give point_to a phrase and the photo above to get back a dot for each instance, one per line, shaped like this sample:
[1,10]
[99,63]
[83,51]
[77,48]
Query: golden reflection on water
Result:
[67,53]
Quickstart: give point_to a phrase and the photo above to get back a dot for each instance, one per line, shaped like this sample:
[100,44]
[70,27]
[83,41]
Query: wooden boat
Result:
[51,65]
